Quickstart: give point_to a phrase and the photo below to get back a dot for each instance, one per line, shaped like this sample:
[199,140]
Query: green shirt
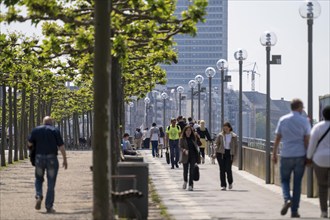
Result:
[173,132]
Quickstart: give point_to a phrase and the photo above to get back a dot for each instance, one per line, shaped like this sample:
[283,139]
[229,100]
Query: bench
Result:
[127,196]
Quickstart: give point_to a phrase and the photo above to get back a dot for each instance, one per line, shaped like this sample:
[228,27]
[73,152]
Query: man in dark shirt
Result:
[181,122]
[46,140]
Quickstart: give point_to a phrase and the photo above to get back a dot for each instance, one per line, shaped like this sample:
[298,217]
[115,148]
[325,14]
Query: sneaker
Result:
[190,188]
[203,160]
[177,166]
[172,168]
[184,185]
[51,210]
[324,215]
[223,188]
[38,203]
[285,207]
[295,215]
[230,186]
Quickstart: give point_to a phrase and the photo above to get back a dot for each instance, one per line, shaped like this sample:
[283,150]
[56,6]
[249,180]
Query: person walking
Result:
[225,150]
[146,138]
[293,130]
[318,152]
[181,122]
[172,139]
[189,155]
[154,138]
[204,136]
[138,138]
[161,140]
[46,140]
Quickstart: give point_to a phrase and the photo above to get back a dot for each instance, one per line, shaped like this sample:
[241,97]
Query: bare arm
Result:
[63,152]
[306,140]
[275,149]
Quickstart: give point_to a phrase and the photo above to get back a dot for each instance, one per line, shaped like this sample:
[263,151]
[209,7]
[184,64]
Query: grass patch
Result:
[156,199]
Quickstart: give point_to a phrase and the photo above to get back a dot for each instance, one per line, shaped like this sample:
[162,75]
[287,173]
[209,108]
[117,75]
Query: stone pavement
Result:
[74,191]
[250,197]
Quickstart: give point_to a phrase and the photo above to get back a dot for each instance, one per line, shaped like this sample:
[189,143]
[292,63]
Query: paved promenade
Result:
[249,199]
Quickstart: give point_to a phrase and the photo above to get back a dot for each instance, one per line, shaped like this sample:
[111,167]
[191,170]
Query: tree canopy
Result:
[142,36]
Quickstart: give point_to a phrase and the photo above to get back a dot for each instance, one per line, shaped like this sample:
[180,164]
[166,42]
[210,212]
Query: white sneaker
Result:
[223,188]
[230,186]
[190,188]
[184,185]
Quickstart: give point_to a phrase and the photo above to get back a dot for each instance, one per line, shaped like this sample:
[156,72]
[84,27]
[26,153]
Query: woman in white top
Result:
[319,152]
[226,145]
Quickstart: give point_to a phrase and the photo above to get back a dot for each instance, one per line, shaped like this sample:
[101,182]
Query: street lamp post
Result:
[268,39]
[310,9]
[240,55]
[131,105]
[192,84]
[199,79]
[164,96]
[146,101]
[222,65]
[210,73]
[180,90]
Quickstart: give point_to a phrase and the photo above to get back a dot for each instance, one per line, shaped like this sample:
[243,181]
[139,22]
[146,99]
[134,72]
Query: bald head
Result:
[47,120]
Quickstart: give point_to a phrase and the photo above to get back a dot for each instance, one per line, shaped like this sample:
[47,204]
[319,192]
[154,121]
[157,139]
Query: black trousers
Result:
[225,162]
[189,166]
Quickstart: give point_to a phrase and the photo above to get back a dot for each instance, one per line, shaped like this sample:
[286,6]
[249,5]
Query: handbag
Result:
[167,155]
[198,141]
[196,173]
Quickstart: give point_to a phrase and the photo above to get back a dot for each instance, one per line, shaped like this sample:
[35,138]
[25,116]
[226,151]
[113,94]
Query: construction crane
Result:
[253,73]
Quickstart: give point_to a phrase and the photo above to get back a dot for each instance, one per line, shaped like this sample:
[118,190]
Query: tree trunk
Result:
[39,107]
[3,126]
[102,208]
[15,124]
[22,124]
[10,125]
[116,100]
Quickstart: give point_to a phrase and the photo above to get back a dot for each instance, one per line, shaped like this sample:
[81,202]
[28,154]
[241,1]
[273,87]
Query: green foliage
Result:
[142,39]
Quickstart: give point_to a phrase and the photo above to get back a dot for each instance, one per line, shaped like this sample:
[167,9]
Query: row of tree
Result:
[109,49]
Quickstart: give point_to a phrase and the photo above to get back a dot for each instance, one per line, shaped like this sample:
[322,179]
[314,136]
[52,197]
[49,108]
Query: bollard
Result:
[140,169]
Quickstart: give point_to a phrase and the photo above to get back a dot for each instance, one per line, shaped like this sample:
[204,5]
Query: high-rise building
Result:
[197,53]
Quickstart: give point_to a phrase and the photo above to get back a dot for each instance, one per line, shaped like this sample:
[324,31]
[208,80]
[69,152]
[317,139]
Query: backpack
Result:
[177,126]
[138,135]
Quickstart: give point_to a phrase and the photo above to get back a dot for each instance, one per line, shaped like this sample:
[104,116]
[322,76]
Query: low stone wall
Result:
[254,162]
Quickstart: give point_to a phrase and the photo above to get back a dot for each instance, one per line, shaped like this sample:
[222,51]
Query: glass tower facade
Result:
[197,53]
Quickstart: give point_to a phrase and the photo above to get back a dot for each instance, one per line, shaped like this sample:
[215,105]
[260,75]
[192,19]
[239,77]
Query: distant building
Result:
[197,53]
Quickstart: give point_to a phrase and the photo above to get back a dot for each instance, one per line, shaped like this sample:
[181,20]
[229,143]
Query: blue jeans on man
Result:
[48,163]
[175,153]
[295,165]
[154,150]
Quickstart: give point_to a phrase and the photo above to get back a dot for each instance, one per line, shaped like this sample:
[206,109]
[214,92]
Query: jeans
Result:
[287,166]
[225,161]
[174,151]
[48,163]
[154,150]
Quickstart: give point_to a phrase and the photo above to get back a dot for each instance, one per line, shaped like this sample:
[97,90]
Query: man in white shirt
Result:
[154,138]
[319,152]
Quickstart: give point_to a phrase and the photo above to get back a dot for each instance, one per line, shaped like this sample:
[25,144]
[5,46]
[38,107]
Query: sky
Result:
[247,20]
